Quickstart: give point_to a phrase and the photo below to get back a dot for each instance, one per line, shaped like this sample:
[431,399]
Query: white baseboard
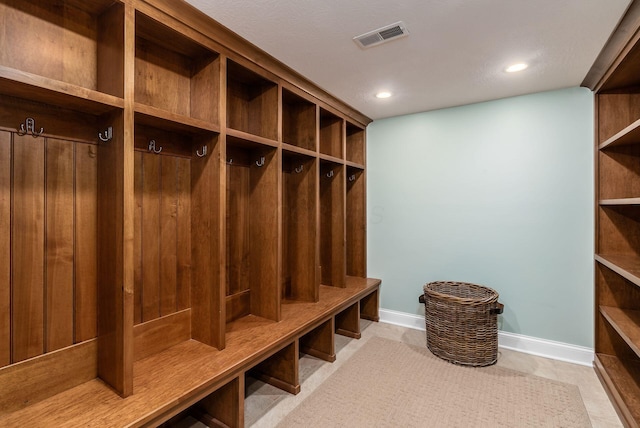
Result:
[513,341]
[402,319]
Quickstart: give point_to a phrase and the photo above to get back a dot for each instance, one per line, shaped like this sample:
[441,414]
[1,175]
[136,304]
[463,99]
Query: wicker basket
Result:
[461,322]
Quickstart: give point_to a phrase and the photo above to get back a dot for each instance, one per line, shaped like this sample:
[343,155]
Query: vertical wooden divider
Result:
[207,201]
[116,225]
[115,263]
[265,227]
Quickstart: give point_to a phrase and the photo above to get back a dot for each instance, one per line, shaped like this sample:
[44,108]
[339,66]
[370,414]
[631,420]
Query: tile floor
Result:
[265,405]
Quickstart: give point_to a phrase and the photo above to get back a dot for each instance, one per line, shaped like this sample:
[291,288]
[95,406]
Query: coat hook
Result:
[330,174]
[108,134]
[152,147]
[204,152]
[352,177]
[30,128]
[298,170]
[260,162]
[230,161]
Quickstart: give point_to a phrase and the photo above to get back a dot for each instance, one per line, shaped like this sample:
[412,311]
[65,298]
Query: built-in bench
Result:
[211,382]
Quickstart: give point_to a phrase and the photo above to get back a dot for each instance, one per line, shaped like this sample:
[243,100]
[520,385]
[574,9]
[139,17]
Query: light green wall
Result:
[497,193]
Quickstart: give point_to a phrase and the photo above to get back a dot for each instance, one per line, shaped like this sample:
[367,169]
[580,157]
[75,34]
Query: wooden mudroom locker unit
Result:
[177,209]
[615,79]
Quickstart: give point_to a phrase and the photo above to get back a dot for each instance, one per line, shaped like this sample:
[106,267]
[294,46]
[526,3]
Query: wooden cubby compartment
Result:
[300,279]
[224,407]
[252,102]
[252,230]
[175,76]
[54,181]
[619,144]
[619,232]
[331,134]
[332,224]
[347,322]
[298,121]
[620,171]
[320,342]
[281,369]
[356,222]
[176,245]
[369,307]
[91,57]
[355,144]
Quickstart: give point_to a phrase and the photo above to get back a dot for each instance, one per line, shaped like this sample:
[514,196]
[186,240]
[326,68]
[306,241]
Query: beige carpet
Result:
[392,384]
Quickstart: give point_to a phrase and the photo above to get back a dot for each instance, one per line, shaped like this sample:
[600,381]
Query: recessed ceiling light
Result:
[383,94]
[516,67]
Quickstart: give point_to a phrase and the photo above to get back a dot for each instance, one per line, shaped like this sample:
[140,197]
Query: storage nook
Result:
[332,224]
[252,230]
[299,273]
[177,210]
[617,255]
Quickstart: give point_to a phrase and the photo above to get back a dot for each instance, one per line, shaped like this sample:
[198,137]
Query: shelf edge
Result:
[618,138]
[617,269]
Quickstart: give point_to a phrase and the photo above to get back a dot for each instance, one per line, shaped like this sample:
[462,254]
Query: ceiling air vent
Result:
[382,35]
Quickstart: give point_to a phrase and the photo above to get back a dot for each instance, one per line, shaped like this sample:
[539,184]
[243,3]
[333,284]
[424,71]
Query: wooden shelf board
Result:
[159,118]
[251,137]
[621,202]
[626,266]
[629,135]
[299,150]
[621,380]
[330,158]
[626,322]
[29,86]
[166,383]
[354,165]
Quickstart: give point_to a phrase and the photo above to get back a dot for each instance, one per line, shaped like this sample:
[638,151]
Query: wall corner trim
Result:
[560,351]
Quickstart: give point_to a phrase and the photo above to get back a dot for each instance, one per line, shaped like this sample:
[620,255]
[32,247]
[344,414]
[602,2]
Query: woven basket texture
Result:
[461,327]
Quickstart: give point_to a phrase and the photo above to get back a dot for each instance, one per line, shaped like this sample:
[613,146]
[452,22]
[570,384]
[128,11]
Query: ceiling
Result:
[455,54]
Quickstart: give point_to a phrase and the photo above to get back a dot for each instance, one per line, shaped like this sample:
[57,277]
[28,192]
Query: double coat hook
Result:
[29,127]
[152,147]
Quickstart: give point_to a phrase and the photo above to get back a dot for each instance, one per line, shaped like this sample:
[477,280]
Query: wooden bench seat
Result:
[170,381]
